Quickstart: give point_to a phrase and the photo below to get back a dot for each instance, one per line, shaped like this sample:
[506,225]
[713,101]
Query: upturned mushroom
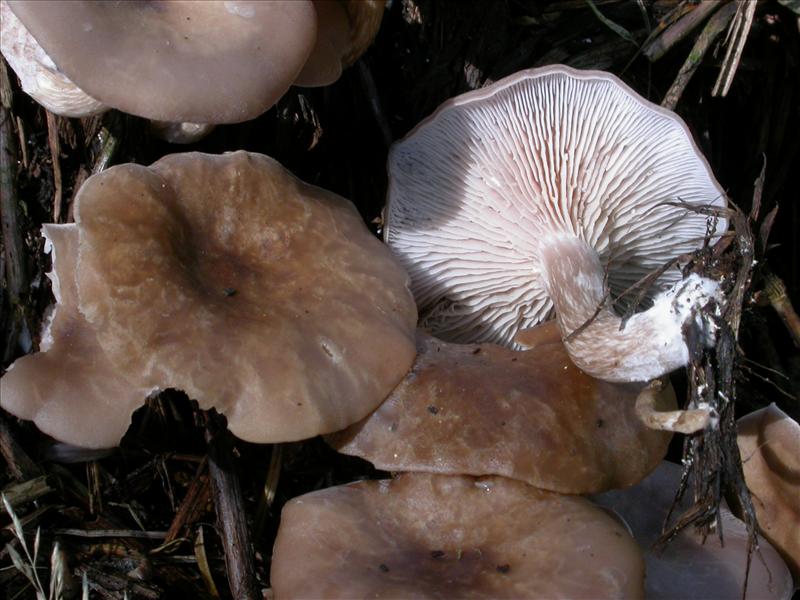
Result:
[769,443]
[438,536]
[514,201]
[482,409]
[255,293]
[691,566]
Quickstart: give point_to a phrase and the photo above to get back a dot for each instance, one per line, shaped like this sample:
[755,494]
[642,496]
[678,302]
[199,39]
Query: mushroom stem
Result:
[647,345]
[680,421]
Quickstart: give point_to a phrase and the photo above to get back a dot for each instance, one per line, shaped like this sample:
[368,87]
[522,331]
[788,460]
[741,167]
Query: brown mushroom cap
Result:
[70,389]
[530,415]
[204,62]
[434,536]
[689,566]
[769,442]
[345,29]
[229,278]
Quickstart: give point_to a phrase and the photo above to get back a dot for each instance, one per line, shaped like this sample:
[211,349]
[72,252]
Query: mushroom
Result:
[691,566]
[255,293]
[202,62]
[38,74]
[345,29]
[530,415]
[512,201]
[70,389]
[436,536]
[769,443]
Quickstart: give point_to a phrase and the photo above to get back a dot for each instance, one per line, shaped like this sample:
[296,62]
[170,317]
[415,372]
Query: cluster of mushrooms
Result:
[514,214]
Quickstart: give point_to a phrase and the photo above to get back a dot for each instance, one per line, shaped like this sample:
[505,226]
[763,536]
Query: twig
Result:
[680,29]
[27,491]
[55,157]
[737,37]
[19,463]
[112,533]
[16,277]
[193,503]
[779,299]
[713,28]
[270,487]
[229,503]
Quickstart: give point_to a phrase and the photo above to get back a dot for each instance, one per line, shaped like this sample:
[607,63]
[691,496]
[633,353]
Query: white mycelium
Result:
[480,190]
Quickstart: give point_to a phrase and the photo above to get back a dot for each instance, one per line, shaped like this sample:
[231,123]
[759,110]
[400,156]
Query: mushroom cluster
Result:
[492,445]
[547,192]
[199,63]
[510,202]
[228,278]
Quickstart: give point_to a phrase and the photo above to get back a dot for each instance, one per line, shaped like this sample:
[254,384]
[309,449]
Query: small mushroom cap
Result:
[345,29]
[39,76]
[435,536]
[688,566]
[255,293]
[70,389]
[204,62]
[477,189]
[769,442]
[531,415]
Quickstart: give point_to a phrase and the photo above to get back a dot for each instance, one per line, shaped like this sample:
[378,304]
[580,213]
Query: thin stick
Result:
[230,511]
[713,28]
[740,28]
[779,299]
[12,315]
[679,30]
[55,157]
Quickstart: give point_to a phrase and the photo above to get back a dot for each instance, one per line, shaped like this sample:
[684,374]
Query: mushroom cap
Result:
[478,187]
[689,566]
[769,442]
[255,293]
[204,62]
[38,74]
[345,29]
[70,389]
[435,536]
[530,415]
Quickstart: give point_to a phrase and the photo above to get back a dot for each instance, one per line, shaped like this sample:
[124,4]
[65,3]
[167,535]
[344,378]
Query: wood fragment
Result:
[55,157]
[779,299]
[117,587]
[111,533]
[19,463]
[202,563]
[193,504]
[716,24]
[93,484]
[737,38]
[19,494]
[14,300]
[676,32]
[270,488]
[229,504]
[23,146]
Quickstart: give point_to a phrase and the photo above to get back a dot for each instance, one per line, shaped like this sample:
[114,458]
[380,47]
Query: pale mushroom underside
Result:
[477,188]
